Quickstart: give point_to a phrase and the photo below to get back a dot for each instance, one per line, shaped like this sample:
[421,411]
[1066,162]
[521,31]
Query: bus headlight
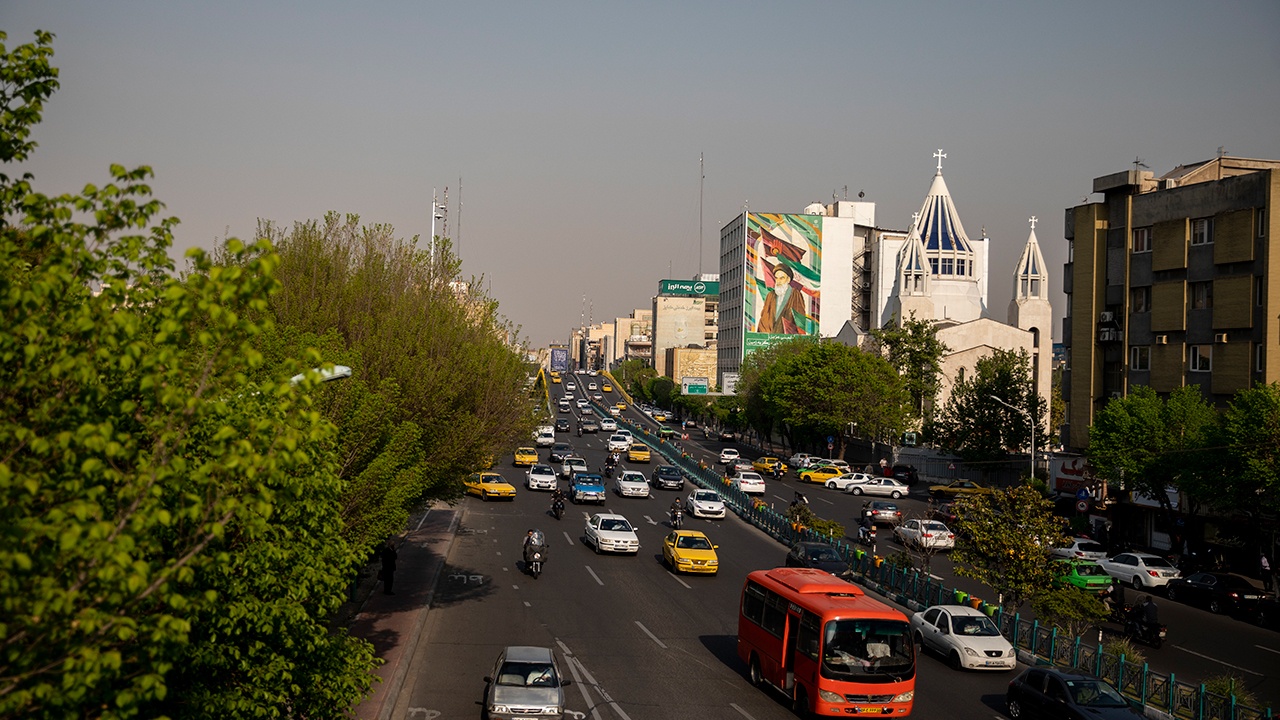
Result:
[829,697]
[907,696]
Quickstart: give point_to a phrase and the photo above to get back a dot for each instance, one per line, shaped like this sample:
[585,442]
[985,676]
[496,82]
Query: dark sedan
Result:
[1050,693]
[590,426]
[1218,592]
[667,477]
[562,424]
[560,451]
[820,556]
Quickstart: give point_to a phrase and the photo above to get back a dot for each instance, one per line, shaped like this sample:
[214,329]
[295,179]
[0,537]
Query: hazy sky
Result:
[576,127]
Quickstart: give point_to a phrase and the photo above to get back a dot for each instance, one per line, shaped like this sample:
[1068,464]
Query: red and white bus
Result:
[822,642]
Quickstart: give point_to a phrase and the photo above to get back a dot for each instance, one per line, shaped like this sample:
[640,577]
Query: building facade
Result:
[685,315]
[1170,282]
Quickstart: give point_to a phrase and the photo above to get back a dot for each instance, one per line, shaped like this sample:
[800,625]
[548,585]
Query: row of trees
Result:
[181,520]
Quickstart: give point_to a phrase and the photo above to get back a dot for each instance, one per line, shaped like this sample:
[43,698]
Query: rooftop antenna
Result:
[457,241]
[437,213]
[1138,163]
[444,229]
[1222,152]
[702,177]
[846,192]
[861,194]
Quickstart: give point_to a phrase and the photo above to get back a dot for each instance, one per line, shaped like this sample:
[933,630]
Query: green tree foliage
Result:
[169,541]
[1070,608]
[1249,438]
[914,350]
[975,426]
[635,376]
[1003,540]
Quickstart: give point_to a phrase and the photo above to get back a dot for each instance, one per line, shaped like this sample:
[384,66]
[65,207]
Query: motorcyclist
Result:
[676,511]
[866,531]
[1145,615]
[534,540]
[1113,598]
[557,502]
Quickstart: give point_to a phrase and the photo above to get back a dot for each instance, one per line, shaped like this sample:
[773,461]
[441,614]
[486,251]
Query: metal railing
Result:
[909,587]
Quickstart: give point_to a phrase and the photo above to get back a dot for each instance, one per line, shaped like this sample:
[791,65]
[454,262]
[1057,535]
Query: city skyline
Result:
[576,129]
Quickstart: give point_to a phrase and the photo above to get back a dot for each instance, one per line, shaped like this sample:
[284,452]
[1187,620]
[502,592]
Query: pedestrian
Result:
[388,573]
[1264,565]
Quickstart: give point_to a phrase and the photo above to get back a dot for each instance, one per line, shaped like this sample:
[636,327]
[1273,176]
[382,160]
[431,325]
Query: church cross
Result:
[915,219]
[1032,220]
[939,155]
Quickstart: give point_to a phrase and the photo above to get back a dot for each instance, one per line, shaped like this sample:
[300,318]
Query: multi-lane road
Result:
[640,642]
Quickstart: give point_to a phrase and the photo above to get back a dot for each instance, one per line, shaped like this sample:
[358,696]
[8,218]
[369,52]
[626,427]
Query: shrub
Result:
[1227,685]
[1118,646]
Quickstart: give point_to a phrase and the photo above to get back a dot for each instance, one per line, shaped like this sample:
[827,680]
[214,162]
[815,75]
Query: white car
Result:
[817,462]
[618,442]
[631,484]
[570,386]
[880,487]
[1142,570]
[597,397]
[540,477]
[610,532]
[592,386]
[615,412]
[728,455]
[800,460]
[964,636]
[582,402]
[572,465]
[704,503]
[626,433]
[546,439]
[608,425]
[843,482]
[749,482]
[1080,549]
[929,534]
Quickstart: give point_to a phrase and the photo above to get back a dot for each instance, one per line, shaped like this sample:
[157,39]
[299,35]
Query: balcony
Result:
[1110,335]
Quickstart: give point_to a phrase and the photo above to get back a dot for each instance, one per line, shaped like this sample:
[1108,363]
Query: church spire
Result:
[940,227]
[913,266]
[1030,276]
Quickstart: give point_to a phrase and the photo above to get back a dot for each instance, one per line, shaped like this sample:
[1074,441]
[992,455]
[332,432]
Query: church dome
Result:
[946,245]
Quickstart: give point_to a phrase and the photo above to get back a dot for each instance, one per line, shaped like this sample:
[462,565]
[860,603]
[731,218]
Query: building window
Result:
[933,266]
[1071,251]
[1257,357]
[1202,231]
[948,266]
[1258,295]
[1200,358]
[1201,295]
[1140,299]
[1142,240]
[960,267]
[1140,358]
[1262,222]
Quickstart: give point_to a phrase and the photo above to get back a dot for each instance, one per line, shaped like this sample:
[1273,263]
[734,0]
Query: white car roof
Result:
[750,476]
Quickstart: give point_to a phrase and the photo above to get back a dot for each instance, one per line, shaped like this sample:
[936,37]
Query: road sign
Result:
[952,466]
[1082,494]
[1082,506]
[831,446]
[831,439]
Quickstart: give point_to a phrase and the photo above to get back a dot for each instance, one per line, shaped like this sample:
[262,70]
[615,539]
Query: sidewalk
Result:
[393,623]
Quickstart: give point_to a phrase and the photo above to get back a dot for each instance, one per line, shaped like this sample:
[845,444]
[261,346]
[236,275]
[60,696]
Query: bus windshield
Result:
[867,651]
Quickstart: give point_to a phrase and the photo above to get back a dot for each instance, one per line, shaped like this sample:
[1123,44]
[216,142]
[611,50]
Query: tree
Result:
[1003,540]
[1250,436]
[162,514]
[976,426]
[914,350]
[1068,607]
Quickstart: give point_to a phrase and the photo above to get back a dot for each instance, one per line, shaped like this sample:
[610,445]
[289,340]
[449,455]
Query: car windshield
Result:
[668,471]
[585,479]
[1095,693]
[867,650]
[973,625]
[1155,562]
[934,527]
[1092,547]
[528,674]
[615,525]
[706,496]
[576,462]
[693,542]
[630,476]
[542,470]
[885,507]
[823,554]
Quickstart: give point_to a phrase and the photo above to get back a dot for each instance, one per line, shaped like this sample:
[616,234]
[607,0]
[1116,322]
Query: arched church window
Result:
[960,267]
[1035,337]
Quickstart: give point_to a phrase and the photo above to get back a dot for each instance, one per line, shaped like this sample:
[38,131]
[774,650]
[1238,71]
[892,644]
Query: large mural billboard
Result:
[559,359]
[783,273]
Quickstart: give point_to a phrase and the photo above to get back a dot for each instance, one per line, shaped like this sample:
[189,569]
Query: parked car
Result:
[956,488]
[1142,570]
[964,636]
[1084,574]
[690,551]
[906,474]
[820,556]
[1080,549]
[1041,692]
[881,512]
[929,534]
[704,503]
[610,532]
[728,455]
[800,461]
[945,514]
[525,679]
[540,477]
[844,481]
[1218,592]
[881,487]
[587,487]
[631,484]
[749,482]
[667,477]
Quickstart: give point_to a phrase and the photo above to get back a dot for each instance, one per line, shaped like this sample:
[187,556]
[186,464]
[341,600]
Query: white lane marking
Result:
[577,680]
[564,648]
[652,637]
[826,501]
[679,580]
[594,575]
[505,570]
[1272,650]
[526,604]
[566,537]
[780,498]
[651,520]
[1214,659]
[616,708]
[515,587]
[499,553]
[741,712]
[424,519]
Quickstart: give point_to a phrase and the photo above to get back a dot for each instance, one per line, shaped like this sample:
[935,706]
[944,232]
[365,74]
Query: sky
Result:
[572,130]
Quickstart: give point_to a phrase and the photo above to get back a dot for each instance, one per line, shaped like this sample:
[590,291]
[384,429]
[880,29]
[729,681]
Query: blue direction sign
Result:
[1082,494]
[831,439]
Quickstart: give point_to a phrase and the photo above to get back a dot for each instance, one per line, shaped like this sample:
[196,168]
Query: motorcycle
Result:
[557,508]
[867,536]
[1148,634]
[677,518]
[608,471]
[535,562]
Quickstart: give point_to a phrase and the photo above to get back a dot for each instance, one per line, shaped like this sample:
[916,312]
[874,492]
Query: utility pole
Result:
[702,178]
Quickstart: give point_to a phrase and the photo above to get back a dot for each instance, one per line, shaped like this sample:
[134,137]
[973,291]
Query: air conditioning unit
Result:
[1116,395]
[1106,317]
[1220,337]
[1162,339]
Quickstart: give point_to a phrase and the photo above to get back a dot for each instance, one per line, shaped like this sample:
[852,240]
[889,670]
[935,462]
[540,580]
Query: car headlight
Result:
[829,697]
[907,696]
[713,562]
[971,652]
[500,709]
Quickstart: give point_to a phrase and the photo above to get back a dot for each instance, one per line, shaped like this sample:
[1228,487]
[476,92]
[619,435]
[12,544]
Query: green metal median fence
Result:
[913,589]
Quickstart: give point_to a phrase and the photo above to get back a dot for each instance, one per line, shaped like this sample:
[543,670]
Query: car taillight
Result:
[951,536]
[1153,573]
[927,535]
[1079,554]
[1235,596]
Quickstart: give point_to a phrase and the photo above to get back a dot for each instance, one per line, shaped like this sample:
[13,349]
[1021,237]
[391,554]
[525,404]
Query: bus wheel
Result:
[800,702]
[753,671]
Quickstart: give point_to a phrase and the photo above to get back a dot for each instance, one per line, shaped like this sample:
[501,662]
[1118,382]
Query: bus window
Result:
[809,636]
[857,648]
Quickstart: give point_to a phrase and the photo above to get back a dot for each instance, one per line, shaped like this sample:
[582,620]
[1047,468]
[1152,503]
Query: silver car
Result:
[525,682]
[704,503]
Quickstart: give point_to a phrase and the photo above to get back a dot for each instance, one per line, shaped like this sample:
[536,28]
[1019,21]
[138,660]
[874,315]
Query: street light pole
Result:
[1030,421]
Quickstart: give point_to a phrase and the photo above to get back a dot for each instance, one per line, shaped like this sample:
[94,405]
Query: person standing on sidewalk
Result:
[388,573]
[1264,566]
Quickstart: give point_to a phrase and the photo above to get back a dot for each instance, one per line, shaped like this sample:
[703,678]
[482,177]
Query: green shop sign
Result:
[688,287]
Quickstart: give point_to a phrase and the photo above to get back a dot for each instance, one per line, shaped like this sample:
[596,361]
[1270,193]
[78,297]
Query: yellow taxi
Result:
[820,474]
[526,456]
[659,415]
[767,464]
[606,388]
[620,405]
[690,551]
[638,452]
[555,379]
[489,486]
